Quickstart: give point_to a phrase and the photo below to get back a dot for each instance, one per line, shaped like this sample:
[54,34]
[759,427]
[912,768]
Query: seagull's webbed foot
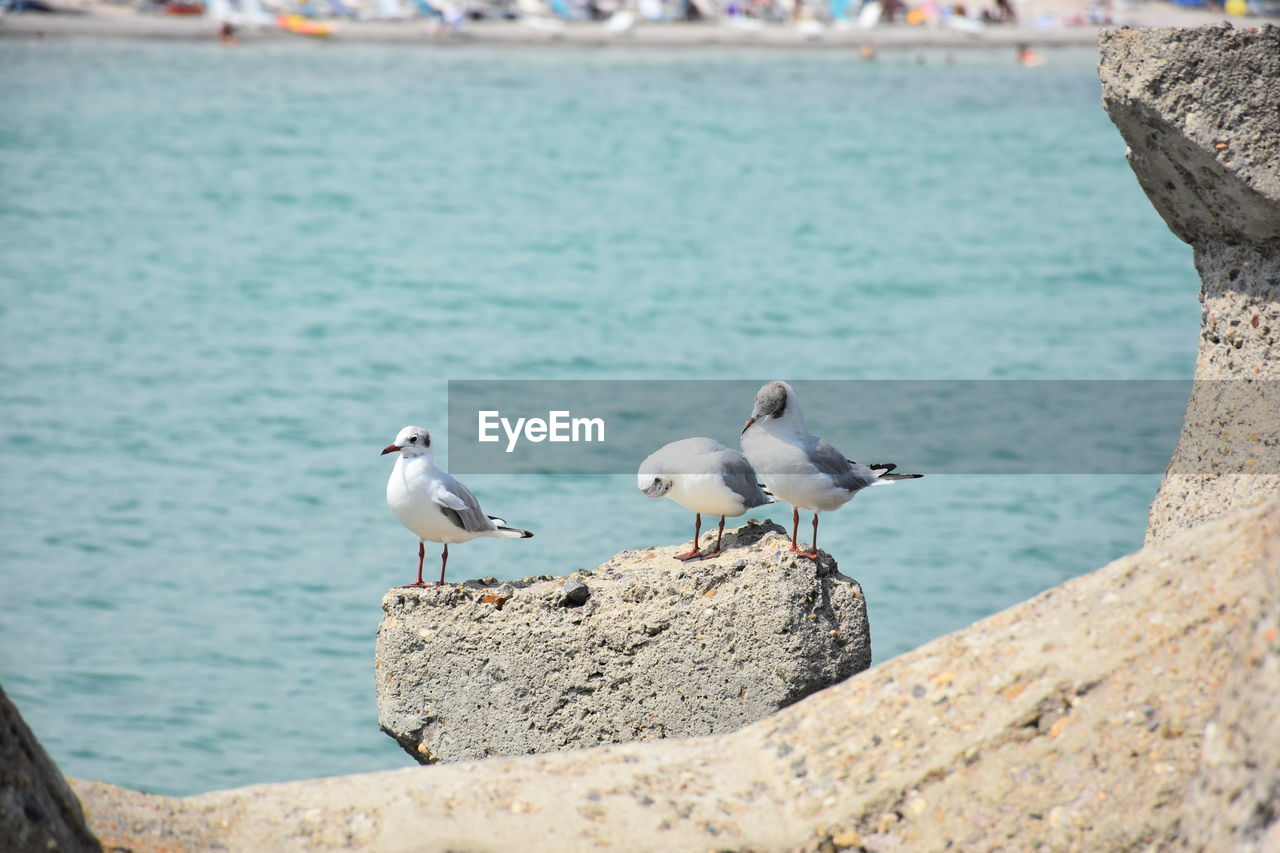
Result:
[416,585]
[695,554]
[812,555]
[711,555]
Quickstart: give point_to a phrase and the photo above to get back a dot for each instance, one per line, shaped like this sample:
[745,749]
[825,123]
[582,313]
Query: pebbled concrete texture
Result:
[1114,712]
[1233,801]
[642,647]
[1198,109]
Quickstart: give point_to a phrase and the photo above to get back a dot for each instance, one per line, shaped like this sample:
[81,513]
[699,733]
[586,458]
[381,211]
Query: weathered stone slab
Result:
[1200,112]
[643,647]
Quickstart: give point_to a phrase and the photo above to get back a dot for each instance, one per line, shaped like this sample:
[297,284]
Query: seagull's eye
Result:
[413,439]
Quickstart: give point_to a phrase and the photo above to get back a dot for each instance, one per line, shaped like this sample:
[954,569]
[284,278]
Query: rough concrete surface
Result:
[1103,714]
[1233,801]
[38,811]
[643,647]
[1200,112]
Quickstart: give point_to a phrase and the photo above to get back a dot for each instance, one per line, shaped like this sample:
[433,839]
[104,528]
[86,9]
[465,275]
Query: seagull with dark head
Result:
[432,504]
[703,475]
[801,468]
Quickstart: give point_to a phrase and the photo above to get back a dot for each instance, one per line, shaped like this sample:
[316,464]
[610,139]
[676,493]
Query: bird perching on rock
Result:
[799,467]
[432,504]
[703,475]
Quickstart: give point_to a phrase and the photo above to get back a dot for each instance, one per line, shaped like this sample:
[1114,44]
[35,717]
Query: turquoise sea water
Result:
[230,276]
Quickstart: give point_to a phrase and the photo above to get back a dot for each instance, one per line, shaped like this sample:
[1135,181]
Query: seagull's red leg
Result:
[719,536]
[814,552]
[444,561]
[693,551]
[422,551]
[795,528]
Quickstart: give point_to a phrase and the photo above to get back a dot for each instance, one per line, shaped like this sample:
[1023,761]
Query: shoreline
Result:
[135,27]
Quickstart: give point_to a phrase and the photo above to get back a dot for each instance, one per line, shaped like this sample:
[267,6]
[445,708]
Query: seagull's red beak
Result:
[748,426]
[390,448]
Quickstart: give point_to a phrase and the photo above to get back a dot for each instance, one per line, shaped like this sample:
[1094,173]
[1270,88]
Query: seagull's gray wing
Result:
[740,477]
[846,474]
[460,506]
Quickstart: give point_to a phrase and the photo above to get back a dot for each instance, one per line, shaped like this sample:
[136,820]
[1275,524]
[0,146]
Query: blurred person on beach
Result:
[452,16]
[1002,14]
[889,10]
[1027,56]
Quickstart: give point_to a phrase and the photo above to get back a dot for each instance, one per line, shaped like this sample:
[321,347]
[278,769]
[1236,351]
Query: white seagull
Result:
[432,504]
[801,468]
[705,476]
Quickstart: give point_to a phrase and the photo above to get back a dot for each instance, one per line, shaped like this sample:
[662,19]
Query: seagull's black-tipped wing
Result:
[848,475]
[741,478]
[460,506]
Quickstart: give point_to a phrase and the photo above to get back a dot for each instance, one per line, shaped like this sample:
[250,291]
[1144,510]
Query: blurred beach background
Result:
[232,275]
[865,24]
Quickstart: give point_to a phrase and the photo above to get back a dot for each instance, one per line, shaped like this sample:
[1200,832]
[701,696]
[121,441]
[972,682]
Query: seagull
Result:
[705,476]
[801,468]
[432,504]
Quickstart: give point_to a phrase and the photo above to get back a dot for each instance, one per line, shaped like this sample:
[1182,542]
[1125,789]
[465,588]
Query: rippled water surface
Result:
[230,276]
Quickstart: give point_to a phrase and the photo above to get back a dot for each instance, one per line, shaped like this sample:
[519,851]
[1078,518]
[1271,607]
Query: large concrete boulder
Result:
[38,810]
[1129,709]
[643,647]
[1200,112]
